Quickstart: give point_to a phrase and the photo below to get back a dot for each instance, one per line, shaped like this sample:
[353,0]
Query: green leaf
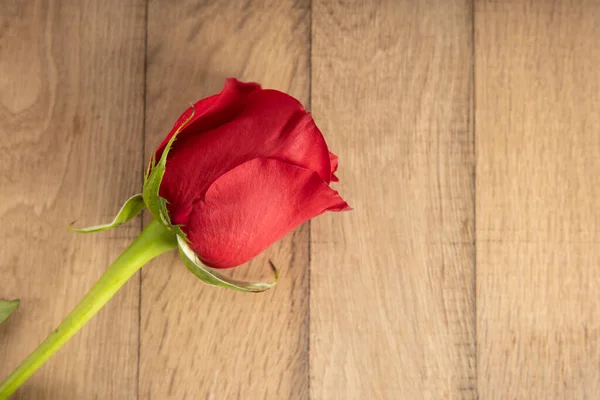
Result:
[212,277]
[7,307]
[153,178]
[132,207]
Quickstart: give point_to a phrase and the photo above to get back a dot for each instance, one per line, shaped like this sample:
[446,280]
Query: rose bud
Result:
[237,172]
[243,168]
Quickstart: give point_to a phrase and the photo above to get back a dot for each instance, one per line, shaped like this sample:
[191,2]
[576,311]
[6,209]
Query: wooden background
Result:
[469,140]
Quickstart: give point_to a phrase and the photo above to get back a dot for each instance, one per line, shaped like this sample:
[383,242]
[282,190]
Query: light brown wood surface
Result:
[71,129]
[538,197]
[469,144]
[392,301]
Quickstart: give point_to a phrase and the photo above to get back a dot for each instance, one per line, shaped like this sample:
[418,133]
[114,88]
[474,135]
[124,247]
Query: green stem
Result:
[153,241]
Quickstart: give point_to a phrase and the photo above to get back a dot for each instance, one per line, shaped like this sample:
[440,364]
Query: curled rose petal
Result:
[252,206]
[212,111]
[333,162]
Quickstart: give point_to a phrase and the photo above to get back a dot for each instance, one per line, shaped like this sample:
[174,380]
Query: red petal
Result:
[333,161]
[212,111]
[270,124]
[254,205]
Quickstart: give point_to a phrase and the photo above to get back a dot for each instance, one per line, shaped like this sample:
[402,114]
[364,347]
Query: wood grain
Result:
[538,185]
[71,107]
[198,341]
[390,311]
[392,282]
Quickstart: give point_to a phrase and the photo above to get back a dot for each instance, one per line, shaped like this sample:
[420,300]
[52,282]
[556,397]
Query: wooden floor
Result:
[469,140]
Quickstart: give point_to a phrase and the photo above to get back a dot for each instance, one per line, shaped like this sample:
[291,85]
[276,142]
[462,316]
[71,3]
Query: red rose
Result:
[237,172]
[248,166]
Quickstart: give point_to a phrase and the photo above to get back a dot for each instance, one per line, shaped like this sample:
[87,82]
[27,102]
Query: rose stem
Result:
[153,241]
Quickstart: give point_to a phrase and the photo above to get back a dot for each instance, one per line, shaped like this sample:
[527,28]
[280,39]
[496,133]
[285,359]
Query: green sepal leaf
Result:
[153,178]
[166,220]
[212,277]
[132,207]
[7,307]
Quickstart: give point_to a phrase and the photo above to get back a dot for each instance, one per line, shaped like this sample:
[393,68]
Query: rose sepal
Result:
[153,177]
[132,207]
[212,277]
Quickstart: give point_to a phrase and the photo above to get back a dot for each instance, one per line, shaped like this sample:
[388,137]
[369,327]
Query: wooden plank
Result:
[538,185]
[392,308]
[204,342]
[71,123]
